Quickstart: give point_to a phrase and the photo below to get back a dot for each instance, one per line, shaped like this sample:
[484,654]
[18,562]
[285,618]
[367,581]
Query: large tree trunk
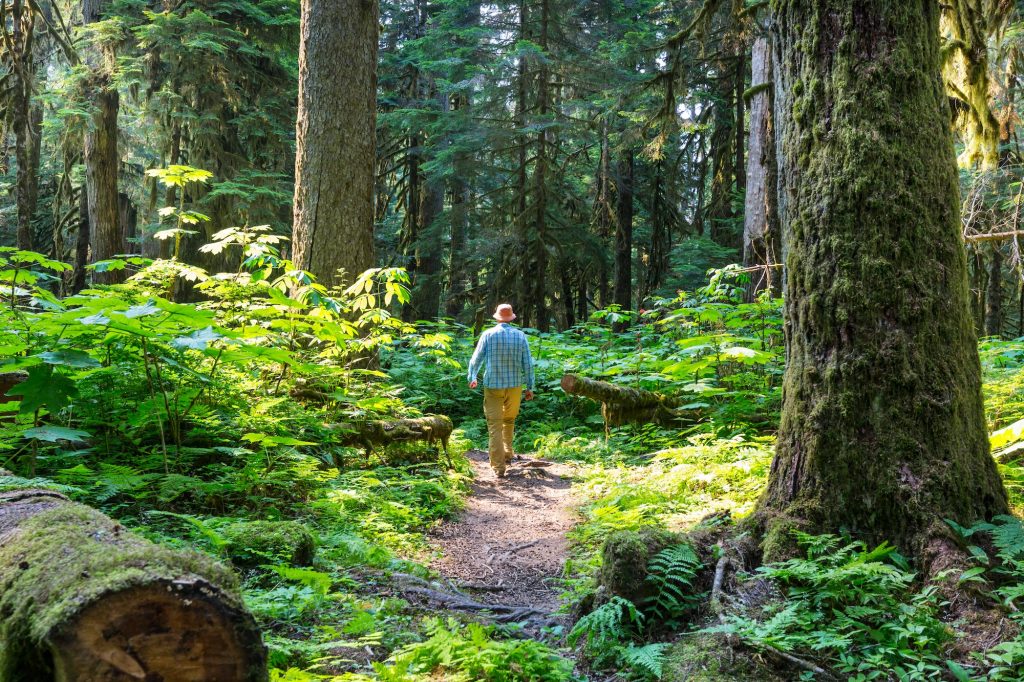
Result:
[101,168]
[468,17]
[537,245]
[101,156]
[84,600]
[719,210]
[994,296]
[461,196]
[335,138]
[624,231]
[604,213]
[761,219]
[81,243]
[882,432]
[21,77]
[426,297]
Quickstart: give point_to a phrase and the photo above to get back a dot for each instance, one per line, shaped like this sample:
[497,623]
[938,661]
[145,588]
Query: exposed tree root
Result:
[453,599]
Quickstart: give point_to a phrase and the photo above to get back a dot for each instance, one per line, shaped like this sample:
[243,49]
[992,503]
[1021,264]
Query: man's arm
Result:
[476,361]
[528,366]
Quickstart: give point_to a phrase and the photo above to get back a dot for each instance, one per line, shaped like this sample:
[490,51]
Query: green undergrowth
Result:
[214,425]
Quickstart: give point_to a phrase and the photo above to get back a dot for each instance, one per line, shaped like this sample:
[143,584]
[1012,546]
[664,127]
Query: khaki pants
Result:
[501,406]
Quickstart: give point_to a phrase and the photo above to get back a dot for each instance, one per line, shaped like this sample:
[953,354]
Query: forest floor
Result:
[508,546]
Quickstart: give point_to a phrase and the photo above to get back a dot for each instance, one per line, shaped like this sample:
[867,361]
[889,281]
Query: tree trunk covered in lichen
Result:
[882,432]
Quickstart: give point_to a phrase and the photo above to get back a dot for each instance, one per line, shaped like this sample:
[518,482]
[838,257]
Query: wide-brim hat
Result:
[504,313]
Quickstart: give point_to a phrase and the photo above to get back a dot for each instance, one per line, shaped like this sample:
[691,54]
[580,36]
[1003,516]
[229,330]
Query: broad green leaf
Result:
[197,340]
[52,434]
[69,358]
[44,388]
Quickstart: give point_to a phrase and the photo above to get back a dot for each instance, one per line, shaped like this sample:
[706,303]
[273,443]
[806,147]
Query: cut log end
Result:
[180,631]
[83,599]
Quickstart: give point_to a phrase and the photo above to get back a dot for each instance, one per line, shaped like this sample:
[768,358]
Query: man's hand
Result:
[529,394]
[472,384]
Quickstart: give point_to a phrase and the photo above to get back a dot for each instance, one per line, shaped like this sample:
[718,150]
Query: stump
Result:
[84,600]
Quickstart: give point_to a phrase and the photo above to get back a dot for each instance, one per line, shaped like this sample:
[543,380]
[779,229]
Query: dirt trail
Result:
[509,545]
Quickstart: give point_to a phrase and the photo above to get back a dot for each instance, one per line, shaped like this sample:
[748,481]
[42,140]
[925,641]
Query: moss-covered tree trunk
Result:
[84,600]
[882,428]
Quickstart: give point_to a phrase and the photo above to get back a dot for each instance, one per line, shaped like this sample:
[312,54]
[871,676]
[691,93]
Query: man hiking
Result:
[504,353]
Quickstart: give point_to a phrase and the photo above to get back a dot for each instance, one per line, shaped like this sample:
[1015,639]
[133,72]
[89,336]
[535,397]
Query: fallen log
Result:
[432,428]
[604,392]
[621,405]
[83,599]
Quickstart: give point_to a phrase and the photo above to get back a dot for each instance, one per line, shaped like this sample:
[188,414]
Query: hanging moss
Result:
[251,543]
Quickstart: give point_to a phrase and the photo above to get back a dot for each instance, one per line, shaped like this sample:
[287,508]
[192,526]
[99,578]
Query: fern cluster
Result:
[472,654]
[1005,575]
[611,633]
[853,609]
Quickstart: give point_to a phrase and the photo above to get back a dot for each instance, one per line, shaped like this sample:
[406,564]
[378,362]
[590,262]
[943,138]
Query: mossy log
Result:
[622,405]
[432,428]
[83,599]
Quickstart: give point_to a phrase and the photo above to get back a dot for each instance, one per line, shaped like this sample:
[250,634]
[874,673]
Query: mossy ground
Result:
[709,658]
[251,543]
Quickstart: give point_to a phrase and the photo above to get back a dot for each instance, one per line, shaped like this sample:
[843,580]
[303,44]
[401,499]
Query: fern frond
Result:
[648,660]
[671,572]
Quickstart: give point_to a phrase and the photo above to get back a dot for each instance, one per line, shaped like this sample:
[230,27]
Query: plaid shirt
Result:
[505,354]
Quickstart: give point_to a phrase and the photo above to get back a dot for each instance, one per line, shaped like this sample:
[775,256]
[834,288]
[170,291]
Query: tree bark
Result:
[461,183]
[101,168]
[335,139]
[82,242]
[537,244]
[720,212]
[84,600]
[994,297]
[461,197]
[624,231]
[101,155]
[883,432]
[426,300]
[22,76]
[761,219]
[604,213]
